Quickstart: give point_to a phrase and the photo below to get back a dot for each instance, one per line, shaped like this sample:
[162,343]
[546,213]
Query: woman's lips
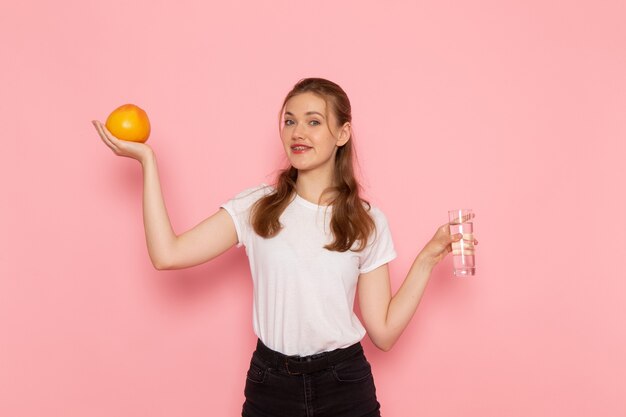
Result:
[299,151]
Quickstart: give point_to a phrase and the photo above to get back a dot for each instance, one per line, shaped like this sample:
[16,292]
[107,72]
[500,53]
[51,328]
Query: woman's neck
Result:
[311,189]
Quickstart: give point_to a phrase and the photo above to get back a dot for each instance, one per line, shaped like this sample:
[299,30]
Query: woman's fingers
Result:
[103,135]
[445,229]
[442,242]
[107,135]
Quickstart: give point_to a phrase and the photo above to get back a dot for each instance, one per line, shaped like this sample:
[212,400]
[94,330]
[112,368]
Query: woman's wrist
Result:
[148,156]
[425,261]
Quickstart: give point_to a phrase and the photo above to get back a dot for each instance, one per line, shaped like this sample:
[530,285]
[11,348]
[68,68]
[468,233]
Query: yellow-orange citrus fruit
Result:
[129,122]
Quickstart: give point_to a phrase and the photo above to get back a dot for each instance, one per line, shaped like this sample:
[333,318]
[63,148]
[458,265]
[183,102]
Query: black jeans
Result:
[343,389]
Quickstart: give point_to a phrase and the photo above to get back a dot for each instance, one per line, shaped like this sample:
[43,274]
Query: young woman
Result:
[312,243]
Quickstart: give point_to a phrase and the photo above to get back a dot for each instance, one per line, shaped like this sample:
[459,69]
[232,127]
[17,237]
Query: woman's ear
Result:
[344,134]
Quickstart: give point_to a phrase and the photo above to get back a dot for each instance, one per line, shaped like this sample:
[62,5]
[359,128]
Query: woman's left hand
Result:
[440,245]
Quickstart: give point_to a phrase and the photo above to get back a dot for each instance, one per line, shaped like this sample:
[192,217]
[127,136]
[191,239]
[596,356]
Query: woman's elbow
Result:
[160,265]
[385,348]
[383,345]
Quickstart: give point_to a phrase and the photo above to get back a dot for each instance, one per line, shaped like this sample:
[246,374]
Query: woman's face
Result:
[304,123]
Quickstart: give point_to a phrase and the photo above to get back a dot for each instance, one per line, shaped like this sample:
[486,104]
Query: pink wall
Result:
[516,110]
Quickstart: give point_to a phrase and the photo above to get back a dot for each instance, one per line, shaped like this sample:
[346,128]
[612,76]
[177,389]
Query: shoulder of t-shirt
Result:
[379,217]
[254,192]
[376,213]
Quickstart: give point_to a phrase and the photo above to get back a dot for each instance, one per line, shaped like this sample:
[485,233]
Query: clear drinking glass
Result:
[463,250]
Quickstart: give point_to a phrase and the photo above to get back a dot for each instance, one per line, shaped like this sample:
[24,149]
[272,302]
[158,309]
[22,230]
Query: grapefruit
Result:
[129,122]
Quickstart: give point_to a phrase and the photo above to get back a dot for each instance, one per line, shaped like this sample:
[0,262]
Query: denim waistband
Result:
[296,365]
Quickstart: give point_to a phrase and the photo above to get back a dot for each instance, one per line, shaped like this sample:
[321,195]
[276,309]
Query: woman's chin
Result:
[299,165]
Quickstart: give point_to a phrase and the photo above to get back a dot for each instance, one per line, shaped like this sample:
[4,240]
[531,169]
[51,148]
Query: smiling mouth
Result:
[299,149]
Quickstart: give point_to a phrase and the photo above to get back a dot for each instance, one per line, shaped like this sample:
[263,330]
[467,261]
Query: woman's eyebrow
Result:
[306,114]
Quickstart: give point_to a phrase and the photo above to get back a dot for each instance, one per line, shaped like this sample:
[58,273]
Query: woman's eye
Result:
[289,122]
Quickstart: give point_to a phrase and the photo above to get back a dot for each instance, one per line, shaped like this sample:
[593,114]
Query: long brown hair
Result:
[350,221]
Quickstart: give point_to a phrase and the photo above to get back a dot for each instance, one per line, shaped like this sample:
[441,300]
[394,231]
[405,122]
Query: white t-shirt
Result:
[304,294]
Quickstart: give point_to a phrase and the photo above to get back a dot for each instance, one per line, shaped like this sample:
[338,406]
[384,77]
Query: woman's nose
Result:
[298,131]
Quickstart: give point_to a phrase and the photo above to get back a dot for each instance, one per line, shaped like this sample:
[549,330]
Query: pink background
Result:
[516,110]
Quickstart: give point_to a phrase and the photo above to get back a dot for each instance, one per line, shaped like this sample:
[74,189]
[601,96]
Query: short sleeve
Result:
[239,209]
[380,248]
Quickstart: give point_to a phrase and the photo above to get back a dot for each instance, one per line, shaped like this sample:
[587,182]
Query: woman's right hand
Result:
[136,150]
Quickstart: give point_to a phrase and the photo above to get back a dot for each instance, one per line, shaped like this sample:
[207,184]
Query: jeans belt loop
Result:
[287,367]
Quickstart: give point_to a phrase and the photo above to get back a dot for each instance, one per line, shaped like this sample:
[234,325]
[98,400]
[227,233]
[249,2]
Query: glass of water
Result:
[463,251]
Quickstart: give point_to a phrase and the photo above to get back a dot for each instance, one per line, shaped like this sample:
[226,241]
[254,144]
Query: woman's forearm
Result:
[160,236]
[404,303]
